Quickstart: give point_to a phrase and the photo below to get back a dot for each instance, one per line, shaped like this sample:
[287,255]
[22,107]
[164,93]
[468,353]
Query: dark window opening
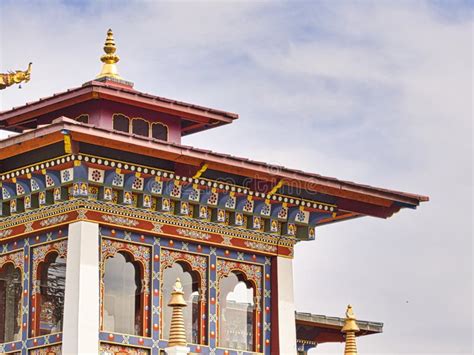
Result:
[140,127]
[52,285]
[10,303]
[160,131]
[121,123]
[83,118]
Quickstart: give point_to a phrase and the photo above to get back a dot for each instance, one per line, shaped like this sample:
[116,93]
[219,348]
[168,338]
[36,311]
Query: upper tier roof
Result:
[109,86]
[195,118]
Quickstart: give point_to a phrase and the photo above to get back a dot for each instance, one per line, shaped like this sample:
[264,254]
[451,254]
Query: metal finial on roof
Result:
[350,329]
[110,59]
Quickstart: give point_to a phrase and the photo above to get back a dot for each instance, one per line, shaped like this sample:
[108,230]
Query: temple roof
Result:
[353,199]
[323,329]
[43,123]
[195,118]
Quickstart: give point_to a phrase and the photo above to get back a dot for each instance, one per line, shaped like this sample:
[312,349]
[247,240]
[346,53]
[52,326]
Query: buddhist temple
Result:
[115,238]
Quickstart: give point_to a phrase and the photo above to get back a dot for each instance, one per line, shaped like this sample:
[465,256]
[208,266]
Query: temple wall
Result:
[86,247]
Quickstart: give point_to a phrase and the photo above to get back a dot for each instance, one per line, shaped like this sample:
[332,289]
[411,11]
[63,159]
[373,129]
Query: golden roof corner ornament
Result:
[110,59]
[177,331]
[350,329]
[16,77]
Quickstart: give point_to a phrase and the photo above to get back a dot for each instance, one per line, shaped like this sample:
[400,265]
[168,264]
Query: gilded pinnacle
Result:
[110,59]
[177,329]
[350,325]
[350,329]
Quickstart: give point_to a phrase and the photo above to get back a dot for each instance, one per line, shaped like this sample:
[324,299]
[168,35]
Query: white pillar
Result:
[177,350]
[286,307]
[81,303]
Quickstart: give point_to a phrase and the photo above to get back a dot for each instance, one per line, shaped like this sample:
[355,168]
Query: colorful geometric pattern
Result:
[21,252]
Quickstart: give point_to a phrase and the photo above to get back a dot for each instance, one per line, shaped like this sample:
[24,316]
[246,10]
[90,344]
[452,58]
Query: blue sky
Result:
[376,92]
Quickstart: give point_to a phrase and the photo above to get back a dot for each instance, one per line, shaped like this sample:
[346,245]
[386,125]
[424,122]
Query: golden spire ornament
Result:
[10,78]
[110,59]
[350,329]
[177,330]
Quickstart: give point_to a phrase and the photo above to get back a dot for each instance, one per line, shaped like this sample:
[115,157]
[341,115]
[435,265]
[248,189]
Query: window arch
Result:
[49,279]
[140,127]
[239,305]
[159,131]
[11,266]
[125,293]
[191,269]
[121,123]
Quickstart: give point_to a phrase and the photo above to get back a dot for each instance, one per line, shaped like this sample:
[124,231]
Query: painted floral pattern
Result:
[49,350]
[112,349]
[251,272]
[15,258]
[140,253]
[40,253]
[197,262]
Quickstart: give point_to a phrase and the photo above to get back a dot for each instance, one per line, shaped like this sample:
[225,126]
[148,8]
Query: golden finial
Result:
[110,59]
[177,330]
[350,329]
[16,77]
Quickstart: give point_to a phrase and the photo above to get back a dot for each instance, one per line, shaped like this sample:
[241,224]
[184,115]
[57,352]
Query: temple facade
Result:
[103,209]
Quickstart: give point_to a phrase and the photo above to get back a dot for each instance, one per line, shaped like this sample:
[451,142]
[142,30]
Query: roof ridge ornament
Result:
[16,77]
[110,59]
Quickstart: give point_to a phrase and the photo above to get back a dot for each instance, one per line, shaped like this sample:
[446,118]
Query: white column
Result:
[286,307]
[177,350]
[81,303]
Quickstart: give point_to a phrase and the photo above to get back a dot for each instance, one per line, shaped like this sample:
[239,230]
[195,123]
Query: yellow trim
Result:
[67,144]
[200,172]
[276,187]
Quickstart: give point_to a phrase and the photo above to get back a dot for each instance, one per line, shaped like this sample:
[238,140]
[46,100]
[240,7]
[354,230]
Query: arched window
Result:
[236,313]
[121,123]
[159,131]
[125,302]
[190,282]
[52,279]
[239,305]
[140,127]
[48,285]
[10,302]
[122,296]
[192,271]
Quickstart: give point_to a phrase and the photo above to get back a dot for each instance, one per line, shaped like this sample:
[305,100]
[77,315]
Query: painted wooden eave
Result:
[359,198]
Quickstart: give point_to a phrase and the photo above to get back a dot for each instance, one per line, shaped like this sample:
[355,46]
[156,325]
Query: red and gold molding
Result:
[159,224]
